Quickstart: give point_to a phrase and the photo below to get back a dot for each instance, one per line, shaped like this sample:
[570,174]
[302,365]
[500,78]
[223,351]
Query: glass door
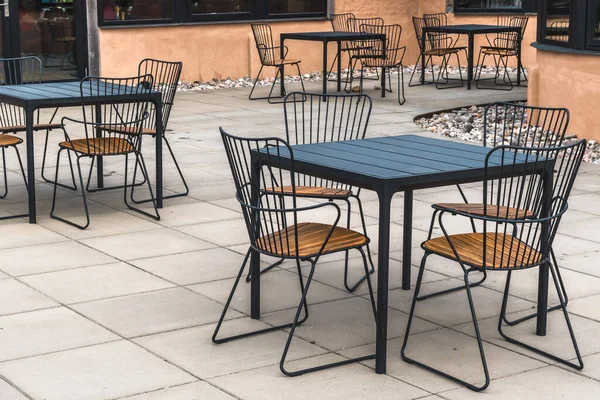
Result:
[52,30]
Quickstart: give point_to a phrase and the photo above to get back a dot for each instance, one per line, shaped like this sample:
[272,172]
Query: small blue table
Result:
[388,165]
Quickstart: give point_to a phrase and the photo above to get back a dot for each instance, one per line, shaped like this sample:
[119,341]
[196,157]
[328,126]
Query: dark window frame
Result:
[181,13]
[580,23]
[528,6]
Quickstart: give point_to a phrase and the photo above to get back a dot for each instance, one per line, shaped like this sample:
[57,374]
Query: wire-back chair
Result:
[435,45]
[513,124]
[274,227]
[525,191]
[165,77]
[501,47]
[387,56]
[271,56]
[112,121]
[354,25]
[339,23]
[319,118]
[19,71]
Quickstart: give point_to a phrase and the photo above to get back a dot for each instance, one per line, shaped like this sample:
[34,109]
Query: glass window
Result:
[126,10]
[557,14]
[296,6]
[594,24]
[489,4]
[219,6]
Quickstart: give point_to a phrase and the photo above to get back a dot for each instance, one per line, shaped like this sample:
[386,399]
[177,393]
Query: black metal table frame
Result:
[68,99]
[385,191]
[326,38]
[480,30]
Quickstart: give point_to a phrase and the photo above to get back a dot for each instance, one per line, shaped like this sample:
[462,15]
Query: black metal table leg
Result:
[159,155]
[519,65]
[470,60]
[383,254]
[255,255]
[407,239]
[543,278]
[423,44]
[383,81]
[339,66]
[99,159]
[30,164]
[324,67]
[282,69]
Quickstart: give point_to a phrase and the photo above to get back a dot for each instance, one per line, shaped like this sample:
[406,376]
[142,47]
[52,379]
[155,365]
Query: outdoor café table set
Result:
[525,194]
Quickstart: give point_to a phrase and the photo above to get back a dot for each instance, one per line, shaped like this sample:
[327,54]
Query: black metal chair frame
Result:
[510,43]
[351,111]
[339,23]
[165,76]
[386,56]
[553,123]
[24,71]
[263,36]
[357,46]
[536,232]
[436,45]
[115,125]
[4,169]
[265,218]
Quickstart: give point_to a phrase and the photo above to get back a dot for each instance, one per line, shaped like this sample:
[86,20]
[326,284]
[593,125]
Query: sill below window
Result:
[192,23]
[561,49]
[494,13]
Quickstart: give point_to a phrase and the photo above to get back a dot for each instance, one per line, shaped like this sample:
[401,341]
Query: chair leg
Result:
[352,288]
[475,325]
[105,188]
[401,93]
[563,306]
[553,308]
[444,70]
[6,181]
[74,187]
[301,79]
[329,79]
[139,159]
[291,336]
[179,171]
[4,169]
[85,206]
[228,303]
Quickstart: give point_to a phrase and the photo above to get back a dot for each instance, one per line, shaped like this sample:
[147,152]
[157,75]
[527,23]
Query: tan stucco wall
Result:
[228,50]
[222,50]
[571,81]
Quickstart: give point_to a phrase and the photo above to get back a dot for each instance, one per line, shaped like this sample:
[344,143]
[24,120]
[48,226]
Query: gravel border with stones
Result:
[467,123]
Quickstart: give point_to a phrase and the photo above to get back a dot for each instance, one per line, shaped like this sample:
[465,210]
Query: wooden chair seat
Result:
[492,211]
[23,128]
[287,61]
[442,52]
[496,51]
[312,191]
[311,237]
[498,247]
[9,140]
[128,130]
[99,146]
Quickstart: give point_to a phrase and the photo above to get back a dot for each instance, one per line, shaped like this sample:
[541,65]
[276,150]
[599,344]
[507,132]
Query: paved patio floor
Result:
[126,308]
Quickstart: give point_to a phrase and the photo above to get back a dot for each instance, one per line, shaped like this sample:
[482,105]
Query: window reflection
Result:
[295,6]
[489,4]
[136,9]
[557,19]
[219,6]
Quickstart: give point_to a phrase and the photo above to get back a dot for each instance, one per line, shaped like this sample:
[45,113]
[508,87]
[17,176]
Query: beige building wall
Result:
[227,50]
[571,81]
